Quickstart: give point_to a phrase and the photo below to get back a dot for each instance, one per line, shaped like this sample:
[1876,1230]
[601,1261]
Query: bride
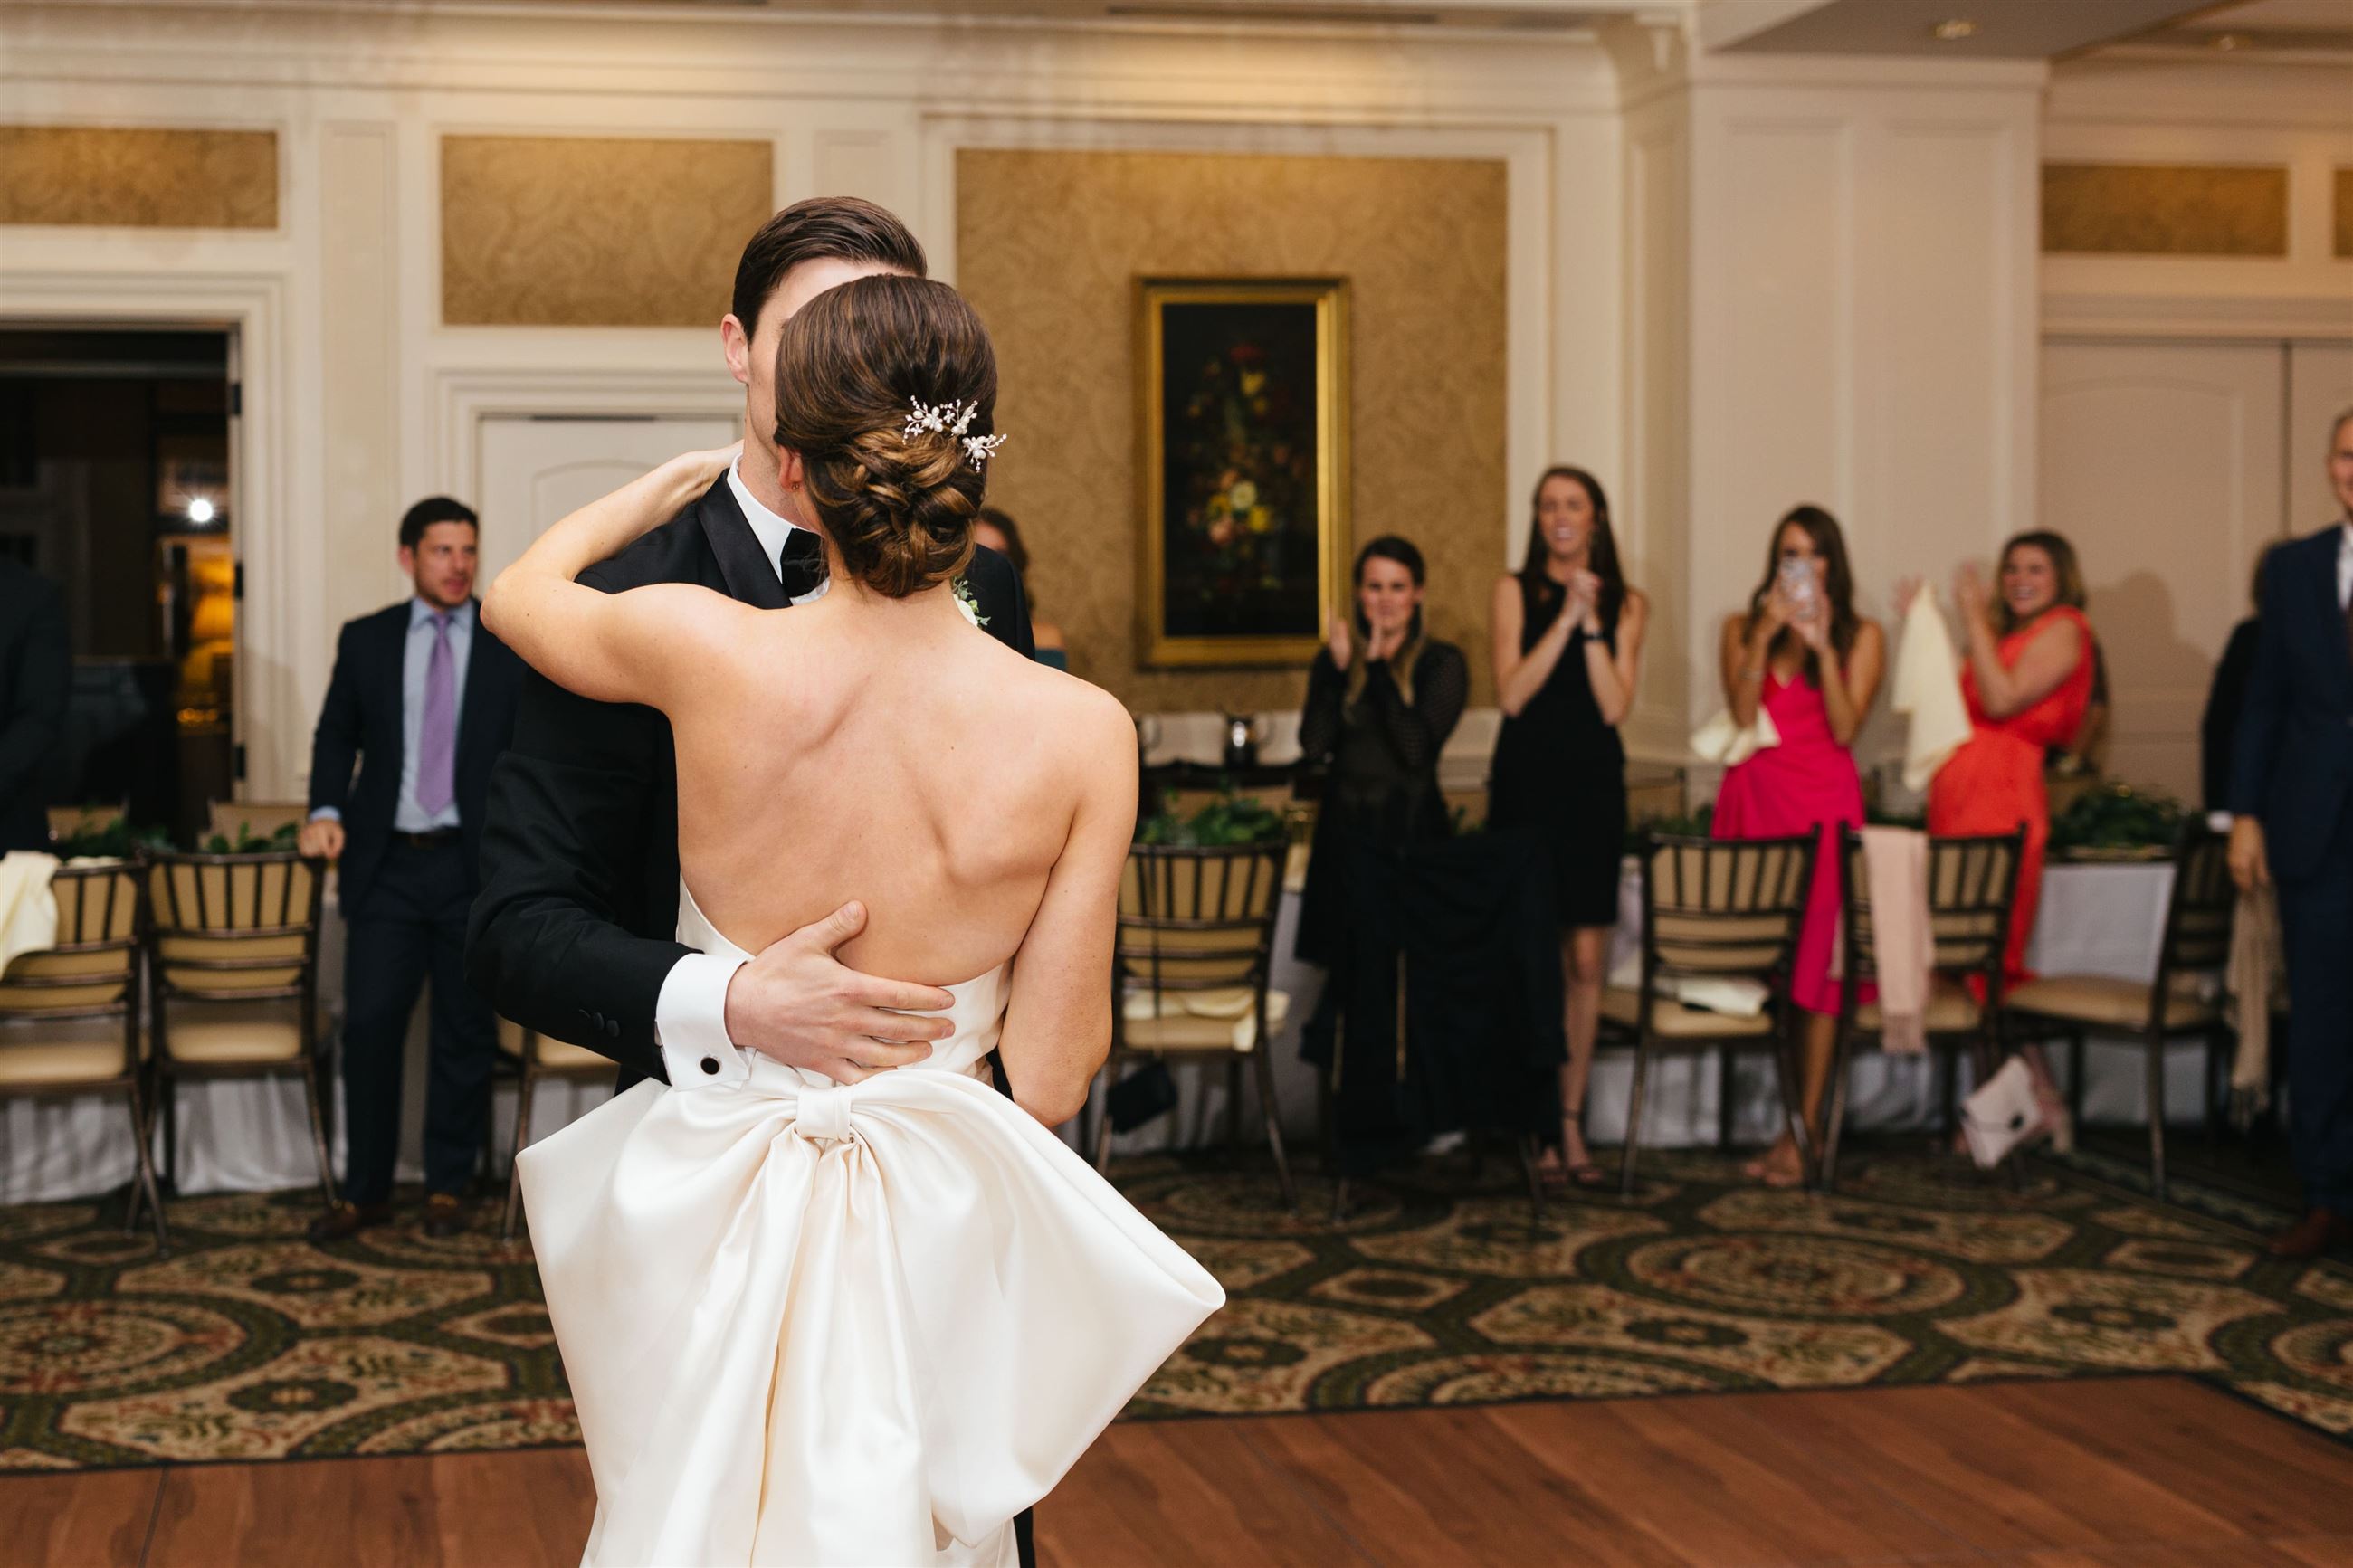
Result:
[862,1323]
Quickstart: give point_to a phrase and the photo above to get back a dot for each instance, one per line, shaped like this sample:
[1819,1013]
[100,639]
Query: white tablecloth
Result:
[2104,919]
[251,1135]
[238,1134]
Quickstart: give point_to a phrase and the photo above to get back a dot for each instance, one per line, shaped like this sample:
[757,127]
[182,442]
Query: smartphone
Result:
[1797,582]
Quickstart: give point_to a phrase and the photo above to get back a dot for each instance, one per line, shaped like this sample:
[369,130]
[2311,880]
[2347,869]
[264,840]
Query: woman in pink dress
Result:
[1802,656]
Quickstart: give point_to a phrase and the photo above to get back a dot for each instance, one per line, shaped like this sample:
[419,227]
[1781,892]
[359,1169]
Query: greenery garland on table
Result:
[118,840]
[1231,819]
[2118,822]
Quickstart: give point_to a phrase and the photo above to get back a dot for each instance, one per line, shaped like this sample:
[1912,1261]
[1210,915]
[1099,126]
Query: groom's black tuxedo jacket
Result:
[572,934]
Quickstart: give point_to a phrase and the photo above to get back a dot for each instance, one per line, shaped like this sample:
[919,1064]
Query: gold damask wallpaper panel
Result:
[2151,209]
[593,231]
[138,177]
[1049,248]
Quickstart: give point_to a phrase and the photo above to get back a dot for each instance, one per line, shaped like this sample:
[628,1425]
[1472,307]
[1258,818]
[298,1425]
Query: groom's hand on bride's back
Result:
[799,1004]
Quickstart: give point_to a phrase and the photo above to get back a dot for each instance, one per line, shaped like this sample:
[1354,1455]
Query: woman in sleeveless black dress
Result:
[1567,650]
[1381,703]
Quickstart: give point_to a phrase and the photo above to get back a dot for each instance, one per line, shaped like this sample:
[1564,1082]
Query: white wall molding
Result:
[465,397]
[2105,315]
[709,57]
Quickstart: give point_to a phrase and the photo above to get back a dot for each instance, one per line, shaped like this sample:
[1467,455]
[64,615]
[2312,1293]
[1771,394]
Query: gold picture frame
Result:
[1242,413]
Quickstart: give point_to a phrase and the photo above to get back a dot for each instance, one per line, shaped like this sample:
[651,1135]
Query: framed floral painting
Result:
[1243,405]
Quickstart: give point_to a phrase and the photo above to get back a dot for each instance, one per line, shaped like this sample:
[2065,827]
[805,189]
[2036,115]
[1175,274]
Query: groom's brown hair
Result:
[841,228]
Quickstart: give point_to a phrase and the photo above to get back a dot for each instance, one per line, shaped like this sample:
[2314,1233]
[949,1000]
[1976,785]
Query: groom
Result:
[572,934]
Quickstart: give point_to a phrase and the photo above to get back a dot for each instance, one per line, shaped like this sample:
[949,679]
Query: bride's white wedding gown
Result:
[807,1323]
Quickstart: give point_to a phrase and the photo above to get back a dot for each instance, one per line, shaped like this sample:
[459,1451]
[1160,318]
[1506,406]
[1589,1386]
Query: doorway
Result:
[115,483]
[535,468]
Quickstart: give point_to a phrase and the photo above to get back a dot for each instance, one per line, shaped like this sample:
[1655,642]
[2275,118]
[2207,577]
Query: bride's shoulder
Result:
[1082,725]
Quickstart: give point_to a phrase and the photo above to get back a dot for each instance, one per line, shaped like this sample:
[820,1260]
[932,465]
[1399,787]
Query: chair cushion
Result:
[66,1050]
[1951,1010]
[2118,1004]
[1671,1020]
[1220,1020]
[562,1056]
[549,1054]
[229,1032]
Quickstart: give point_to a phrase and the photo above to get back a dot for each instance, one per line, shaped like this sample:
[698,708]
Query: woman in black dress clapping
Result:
[1381,700]
[1568,651]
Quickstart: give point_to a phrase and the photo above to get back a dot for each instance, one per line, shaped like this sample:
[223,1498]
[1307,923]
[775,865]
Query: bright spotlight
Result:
[200,511]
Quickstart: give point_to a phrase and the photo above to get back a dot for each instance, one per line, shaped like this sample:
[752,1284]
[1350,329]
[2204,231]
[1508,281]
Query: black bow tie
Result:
[803,565]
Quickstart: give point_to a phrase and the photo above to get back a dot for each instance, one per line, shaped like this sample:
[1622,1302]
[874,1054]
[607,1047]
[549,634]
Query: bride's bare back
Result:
[882,751]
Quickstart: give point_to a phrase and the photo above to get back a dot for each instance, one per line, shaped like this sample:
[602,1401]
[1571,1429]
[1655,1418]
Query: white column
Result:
[1831,298]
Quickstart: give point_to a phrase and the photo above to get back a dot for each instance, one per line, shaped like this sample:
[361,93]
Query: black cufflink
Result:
[711,1065]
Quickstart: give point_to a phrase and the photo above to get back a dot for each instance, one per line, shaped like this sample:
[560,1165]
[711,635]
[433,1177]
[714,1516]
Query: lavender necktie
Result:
[436,740]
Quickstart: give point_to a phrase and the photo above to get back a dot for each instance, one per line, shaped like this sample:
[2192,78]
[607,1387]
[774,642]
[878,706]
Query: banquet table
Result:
[251,1135]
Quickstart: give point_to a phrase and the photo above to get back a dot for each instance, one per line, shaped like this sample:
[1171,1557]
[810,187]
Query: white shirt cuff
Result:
[326,814]
[691,1022]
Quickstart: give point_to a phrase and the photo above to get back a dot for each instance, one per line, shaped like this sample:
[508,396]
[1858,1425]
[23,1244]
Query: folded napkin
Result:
[1234,1003]
[1735,995]
[29,907]
[1722,740]
[1927,690]
[1904,947]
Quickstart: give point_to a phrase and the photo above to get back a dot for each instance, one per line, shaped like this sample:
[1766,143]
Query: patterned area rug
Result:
[248,1343]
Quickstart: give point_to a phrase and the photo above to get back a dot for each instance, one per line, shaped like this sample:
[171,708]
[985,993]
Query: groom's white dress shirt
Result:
[690,1014]
[2345,567]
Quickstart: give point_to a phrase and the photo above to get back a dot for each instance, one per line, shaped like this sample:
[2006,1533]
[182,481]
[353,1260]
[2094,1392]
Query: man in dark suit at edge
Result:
[2292,800]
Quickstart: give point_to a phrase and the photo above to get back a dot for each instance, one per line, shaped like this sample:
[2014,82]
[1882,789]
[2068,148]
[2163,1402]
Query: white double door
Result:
[2171,466]
[533,469]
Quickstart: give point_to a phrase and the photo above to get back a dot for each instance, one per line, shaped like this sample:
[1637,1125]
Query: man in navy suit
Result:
[424,699]
[2292,784]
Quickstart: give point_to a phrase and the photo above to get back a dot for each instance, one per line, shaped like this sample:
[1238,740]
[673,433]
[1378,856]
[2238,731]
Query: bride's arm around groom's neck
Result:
[611,648]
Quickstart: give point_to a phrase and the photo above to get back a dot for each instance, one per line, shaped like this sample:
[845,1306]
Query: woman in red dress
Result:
[1803,656]
[2028,682]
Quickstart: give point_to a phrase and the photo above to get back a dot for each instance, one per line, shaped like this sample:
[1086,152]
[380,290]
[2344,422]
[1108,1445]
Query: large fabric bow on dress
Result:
[809,1323]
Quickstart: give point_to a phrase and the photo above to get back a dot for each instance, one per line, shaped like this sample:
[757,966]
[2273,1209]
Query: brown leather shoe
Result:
[2313,1235]
[347,1219]
[446,1215]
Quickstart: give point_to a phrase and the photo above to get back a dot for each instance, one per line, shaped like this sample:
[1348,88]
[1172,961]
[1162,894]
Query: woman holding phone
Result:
[1801,655]
[1567,646]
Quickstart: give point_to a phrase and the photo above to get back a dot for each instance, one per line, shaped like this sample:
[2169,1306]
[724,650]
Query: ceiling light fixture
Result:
[1953,30]
[200,511]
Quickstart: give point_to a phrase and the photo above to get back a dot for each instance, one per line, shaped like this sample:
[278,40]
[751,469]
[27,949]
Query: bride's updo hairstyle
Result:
[851,366]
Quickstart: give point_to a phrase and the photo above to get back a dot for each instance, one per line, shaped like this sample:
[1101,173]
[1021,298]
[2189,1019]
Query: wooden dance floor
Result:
[2147,1472]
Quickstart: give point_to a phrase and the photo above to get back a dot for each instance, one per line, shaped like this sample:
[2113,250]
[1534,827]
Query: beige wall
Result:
[1050,246]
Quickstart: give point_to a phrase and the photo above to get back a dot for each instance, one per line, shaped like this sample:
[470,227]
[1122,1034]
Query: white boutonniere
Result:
[966,602]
